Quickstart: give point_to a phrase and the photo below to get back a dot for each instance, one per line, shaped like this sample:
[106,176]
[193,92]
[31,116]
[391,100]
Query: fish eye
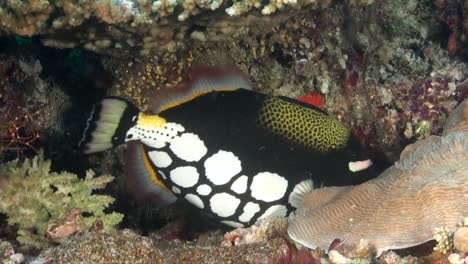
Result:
[129,136]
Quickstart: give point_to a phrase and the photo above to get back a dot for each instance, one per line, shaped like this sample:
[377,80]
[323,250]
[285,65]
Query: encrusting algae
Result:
[427,188]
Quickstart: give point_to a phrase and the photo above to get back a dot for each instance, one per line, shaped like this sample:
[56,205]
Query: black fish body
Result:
[234,153]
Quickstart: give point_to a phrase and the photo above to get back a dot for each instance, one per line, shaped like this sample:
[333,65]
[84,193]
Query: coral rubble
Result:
[44,203]
[426,188]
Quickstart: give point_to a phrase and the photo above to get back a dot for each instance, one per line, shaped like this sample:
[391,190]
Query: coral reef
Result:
[260,231]
[460,239]
[384,68]
[44,203]
[31,106]
[444,238]
[141,24]
[401,207]
[127,247]
[8,254]
[454,14]
[22,118]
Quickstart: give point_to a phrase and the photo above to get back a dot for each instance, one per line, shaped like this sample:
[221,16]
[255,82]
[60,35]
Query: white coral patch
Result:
[250,209]
[240,185]
[160,159]
[186,176]
[204,189]
[188,147]
[275,210]
[224,204]
[195,200]
[221,167]
[268,187]
[232,223]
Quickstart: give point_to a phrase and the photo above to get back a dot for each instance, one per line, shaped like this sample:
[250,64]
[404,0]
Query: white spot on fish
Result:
[240,185]
[232,223]
[204,189]
[186,176]
[268,187]
[275,210]
[224,204]
[163,175]
[175,190]
[250,209]
[355,166]
[188,147]
[221,167]
[195,200]
[160,159]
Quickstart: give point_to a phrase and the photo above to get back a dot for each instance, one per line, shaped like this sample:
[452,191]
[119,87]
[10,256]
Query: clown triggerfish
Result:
[237,154]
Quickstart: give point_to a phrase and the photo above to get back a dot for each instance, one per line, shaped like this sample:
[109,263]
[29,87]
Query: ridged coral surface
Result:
[427,188]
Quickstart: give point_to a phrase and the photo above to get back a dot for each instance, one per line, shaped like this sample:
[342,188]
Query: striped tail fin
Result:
[108,124]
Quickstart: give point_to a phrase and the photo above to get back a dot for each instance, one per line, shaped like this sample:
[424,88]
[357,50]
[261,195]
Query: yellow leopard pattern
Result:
[303,125]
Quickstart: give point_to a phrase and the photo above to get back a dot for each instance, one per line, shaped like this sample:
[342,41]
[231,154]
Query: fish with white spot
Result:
[237,154]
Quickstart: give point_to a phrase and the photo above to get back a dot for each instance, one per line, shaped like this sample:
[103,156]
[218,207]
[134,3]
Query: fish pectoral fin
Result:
[142,180]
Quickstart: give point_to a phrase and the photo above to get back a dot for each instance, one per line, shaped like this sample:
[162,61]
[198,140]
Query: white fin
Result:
[300,190]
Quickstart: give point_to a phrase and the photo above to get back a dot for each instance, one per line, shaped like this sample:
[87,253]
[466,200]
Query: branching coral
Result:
[37,200]
[444,238]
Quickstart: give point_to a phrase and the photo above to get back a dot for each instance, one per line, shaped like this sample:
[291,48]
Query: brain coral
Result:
[425,189]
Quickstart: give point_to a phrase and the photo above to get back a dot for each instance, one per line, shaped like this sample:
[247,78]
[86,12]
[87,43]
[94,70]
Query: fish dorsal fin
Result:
[142,180]
[202,80]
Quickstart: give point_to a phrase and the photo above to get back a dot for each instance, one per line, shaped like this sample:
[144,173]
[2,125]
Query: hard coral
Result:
[36,199]
[160,25]
[124,246]
[399,208]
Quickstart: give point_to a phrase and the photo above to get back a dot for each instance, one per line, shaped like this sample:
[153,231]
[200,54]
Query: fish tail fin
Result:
[202,79]
[108,124]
